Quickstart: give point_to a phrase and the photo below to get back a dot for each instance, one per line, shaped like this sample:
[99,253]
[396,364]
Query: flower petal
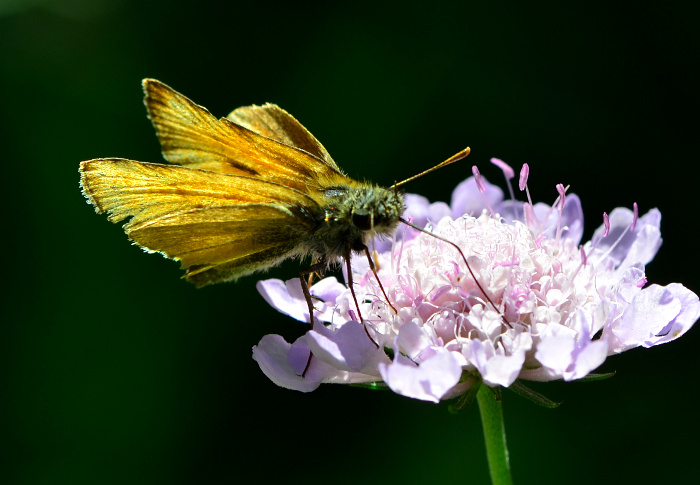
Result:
[657,315]
[347,348]
[272,355]
[287,297]
[412,340]
[624,247]
[587,359]
[429,381]
[495,369]
[466,198]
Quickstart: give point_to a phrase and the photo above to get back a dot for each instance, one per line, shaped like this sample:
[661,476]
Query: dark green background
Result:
[116,371]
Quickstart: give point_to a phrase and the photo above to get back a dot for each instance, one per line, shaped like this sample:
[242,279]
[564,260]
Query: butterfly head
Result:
[376,209]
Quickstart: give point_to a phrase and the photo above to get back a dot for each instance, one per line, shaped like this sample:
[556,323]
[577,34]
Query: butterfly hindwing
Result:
[226,242]
[273,122]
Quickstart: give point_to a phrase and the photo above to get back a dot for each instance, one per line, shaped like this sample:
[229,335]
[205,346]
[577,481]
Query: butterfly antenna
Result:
[454,158]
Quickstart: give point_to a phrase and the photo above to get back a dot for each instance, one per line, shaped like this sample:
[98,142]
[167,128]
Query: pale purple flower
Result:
[545,308]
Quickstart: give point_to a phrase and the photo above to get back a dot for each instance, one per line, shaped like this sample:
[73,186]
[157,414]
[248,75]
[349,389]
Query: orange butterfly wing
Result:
[273,122]
[264,142]
[203,219]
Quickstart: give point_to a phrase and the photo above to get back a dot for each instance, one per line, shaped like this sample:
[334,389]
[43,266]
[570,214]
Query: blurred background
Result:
[117,371]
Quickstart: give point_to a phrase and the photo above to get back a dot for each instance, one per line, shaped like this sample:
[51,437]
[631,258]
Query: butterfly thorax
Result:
[352,215]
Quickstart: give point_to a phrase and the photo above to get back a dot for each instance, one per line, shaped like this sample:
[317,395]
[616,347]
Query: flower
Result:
[530,304]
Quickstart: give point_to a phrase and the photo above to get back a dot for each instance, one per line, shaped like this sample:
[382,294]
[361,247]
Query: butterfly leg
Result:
[352,291]
[319,266]
[371,266]
[305,284]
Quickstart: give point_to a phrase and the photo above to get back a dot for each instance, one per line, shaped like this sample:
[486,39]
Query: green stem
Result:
[495,436]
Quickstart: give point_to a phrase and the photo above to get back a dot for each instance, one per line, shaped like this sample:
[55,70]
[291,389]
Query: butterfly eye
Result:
[362,221]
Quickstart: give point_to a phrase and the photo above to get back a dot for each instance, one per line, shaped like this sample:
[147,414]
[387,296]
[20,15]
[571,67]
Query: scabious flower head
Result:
[531,304]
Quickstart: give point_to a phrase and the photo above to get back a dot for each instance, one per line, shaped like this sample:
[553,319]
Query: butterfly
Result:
[241,194]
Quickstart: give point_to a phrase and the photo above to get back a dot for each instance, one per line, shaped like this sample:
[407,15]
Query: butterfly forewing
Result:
[191,136]
[147,191]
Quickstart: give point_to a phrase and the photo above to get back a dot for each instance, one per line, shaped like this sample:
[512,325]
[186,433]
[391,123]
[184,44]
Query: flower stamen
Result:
[482,188]
[508,173]
[522,183]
